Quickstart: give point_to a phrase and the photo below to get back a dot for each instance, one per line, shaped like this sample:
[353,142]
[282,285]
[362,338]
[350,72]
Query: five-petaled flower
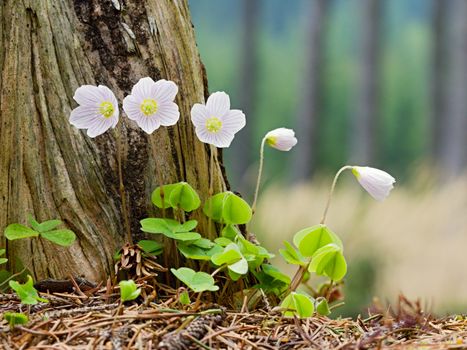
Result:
[377,183]
[97,110]
[151,104]
[215,123]
[282,139]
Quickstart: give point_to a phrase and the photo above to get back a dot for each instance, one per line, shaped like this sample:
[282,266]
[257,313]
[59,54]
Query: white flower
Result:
[97,110]
[151,104]
[376,182]
[282,139]
[215,123]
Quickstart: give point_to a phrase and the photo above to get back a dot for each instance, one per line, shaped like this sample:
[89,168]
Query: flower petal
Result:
[164,91]
[218,104]
[199,115]
[233,121]
[99,127]
[143,88]
[168,114]
[88,95]
[83,116]
[148,124]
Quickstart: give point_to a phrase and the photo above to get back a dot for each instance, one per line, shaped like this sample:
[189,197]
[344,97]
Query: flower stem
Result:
[297,278]
[260,171]
[126,221]
[211,188]
[333,186]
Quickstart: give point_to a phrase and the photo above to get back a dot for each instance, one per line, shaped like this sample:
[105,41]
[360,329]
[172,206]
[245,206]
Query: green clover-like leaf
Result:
[329,261]
[310,239]
[44,226]
[322,306]
[233,258]
[291,255]
[18,231]
[128,290]
[63,237]
[298,304]
[228,208]
[151,247]
[179,195]
[26,292]
[196,281]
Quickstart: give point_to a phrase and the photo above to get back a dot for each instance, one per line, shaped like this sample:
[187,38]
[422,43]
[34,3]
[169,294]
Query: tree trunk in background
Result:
[241,149]
[365,121]
[52,170]
[452,108]
[438,90]
[307,125]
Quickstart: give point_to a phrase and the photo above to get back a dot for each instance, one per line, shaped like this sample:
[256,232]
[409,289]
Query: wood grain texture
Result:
[52,170]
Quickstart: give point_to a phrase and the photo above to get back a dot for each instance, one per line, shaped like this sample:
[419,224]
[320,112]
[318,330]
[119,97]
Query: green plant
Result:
[26,292]
[3,260]
[15,318]
[128,290]
[197,281]
[47,230]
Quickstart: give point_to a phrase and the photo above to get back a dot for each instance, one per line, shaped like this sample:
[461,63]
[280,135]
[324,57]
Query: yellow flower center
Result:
[213,124]
[356,173]
[148,106]
[106,109]
[271,140]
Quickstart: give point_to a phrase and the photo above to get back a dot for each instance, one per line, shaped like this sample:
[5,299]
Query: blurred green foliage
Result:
[404,116]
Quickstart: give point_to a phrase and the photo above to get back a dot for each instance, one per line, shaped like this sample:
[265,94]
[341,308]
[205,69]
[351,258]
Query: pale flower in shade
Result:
[215,123]
[97,110]
[151,104]
[377,183]
[282,139]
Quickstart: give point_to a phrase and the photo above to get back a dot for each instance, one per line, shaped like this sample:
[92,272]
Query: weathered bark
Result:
[365,121]
[52,170]
[307,124]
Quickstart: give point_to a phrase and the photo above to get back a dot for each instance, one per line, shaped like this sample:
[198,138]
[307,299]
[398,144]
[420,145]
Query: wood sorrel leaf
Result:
[14,318]
[291,255]
[310,239]
[18,231]
[46,225]
[298,304]
[179,195]
[26,292]
[191,251]
[322,306]
[196,281]
[128,290]
[329,261]
[62,237]
[183,196]
[150,247]
[228,208]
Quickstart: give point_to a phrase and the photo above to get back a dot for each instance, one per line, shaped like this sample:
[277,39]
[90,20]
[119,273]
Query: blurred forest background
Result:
[367,82]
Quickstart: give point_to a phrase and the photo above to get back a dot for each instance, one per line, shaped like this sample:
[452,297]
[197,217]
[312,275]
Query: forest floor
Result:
[96,321]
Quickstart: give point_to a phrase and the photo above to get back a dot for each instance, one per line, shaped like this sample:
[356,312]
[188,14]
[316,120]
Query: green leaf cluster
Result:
[15,318]
[47,230]
[26,292]
[298,304]
[324,248]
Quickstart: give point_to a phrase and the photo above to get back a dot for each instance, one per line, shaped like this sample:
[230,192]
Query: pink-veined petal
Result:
[168,114]
[218,104]
[233,121]
[199,115]
[164,91]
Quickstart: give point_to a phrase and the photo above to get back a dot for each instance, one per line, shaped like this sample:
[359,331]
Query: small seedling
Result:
[26,292]
[15,318]
[128,290]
